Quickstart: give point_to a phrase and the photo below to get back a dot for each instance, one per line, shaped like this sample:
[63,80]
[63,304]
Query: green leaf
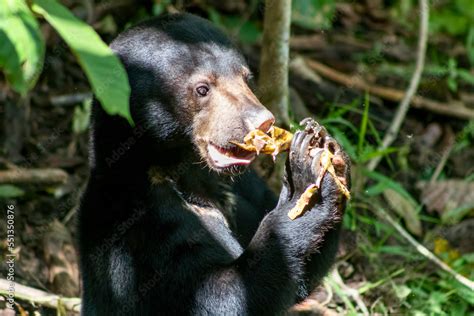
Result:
[10,64]
[470,45]
[371,285]
[465,7]
[159,7]
[104,70]
[402,291]
[455,215]
[10,191]
[466,76]
[363,124]
[396,250]
[313,14]
[81,118]
[249,33]
[369,153]
[22,49]
[459,309]
[449,21]
[385,183]
[405,208]
[344,141]
[341,121]
[452,84]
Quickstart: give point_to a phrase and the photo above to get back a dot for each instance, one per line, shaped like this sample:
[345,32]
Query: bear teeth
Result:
[223,158]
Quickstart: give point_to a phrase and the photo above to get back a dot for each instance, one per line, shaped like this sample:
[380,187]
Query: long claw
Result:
[325,161]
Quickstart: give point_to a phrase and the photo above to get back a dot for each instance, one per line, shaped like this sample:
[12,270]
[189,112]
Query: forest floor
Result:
[351,77]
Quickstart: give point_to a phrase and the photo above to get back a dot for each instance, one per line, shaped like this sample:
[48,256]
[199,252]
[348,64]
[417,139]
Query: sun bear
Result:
[173,221]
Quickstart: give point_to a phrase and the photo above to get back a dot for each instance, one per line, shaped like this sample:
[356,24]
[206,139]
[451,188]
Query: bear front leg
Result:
[321,223]
[310,241]
[285,258]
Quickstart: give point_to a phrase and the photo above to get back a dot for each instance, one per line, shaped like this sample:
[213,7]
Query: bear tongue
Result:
[225,158]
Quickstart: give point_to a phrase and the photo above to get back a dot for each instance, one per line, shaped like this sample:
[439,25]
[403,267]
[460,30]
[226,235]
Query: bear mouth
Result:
[225,157]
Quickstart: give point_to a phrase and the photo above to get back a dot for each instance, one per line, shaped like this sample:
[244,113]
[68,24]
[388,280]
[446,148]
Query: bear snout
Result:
[260,118]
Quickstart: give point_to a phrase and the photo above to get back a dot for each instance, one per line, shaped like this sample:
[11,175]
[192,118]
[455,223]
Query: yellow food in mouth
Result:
[278,140]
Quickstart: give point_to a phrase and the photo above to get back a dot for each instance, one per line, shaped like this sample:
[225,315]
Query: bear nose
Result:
[265,126]
[264,120]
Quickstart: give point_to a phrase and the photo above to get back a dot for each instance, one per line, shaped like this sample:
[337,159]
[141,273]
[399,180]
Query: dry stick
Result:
[402,110]
[39,297]
[424,251]
[454,109]
[273,79]
[33,176]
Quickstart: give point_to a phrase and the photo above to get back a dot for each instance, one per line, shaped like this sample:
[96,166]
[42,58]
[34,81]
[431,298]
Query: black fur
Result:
[162,233]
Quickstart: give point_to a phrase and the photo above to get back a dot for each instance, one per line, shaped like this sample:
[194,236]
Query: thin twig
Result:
[442,162]
[39,297]
[402,110]
[70,214]
[336,277]
[70,99]
[424,251]
[330,293]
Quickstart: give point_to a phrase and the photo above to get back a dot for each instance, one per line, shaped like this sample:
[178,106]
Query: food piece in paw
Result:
[325,163]
[344,190]
[303,201]
[327,149]
[276,141]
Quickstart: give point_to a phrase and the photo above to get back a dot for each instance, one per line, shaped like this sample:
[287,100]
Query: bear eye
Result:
[202,90]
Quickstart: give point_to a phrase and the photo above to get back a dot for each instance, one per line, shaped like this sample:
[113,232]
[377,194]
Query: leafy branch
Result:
[23,50]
